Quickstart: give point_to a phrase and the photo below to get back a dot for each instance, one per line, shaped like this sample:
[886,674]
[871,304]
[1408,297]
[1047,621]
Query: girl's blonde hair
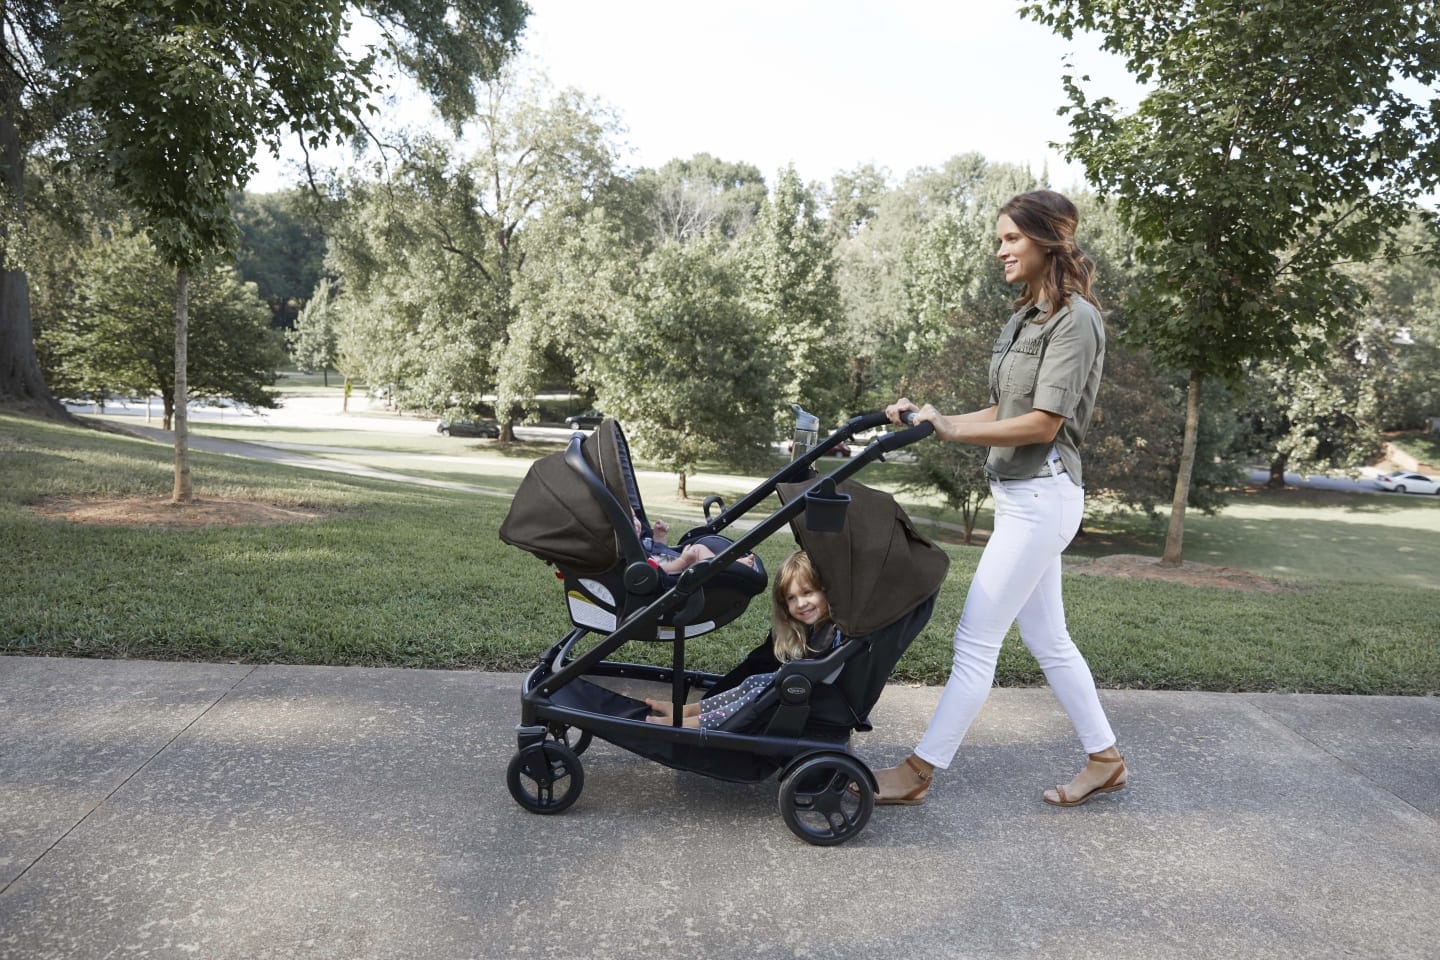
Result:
[791,636]
[1049,219]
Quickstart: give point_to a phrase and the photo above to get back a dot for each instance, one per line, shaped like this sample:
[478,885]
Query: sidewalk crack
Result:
[1254,703]
[129,777]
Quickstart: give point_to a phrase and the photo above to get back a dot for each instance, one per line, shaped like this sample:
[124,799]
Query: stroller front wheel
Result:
[818,803]
[545,777]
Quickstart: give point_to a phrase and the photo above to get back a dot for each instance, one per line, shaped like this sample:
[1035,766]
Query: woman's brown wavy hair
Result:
[1049,219]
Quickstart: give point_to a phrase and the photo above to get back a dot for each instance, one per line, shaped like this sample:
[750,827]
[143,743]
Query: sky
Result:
[825,85]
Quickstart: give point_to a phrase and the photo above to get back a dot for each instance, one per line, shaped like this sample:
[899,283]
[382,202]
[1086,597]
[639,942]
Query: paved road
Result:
[222,811]
[1365,483]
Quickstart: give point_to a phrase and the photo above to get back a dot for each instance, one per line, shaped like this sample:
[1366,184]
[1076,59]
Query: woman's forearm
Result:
[1037,426]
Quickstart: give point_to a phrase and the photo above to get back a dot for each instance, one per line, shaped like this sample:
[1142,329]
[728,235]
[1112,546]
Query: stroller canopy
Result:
[555,517]
[878,568]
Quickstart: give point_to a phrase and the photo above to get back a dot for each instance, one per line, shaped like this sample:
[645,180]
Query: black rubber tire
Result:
[1400,488]
[576,740]
[818,803]
[545,777]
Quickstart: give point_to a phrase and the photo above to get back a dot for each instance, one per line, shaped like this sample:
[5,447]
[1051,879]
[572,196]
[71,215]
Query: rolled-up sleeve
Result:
[1067,363]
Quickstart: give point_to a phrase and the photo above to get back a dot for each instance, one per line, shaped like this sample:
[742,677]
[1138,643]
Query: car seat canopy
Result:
[554,515]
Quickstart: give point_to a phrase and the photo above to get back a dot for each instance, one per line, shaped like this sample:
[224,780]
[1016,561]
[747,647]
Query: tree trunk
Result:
[184,490]
[1175,536]
[22,385]
[1277,472]
[680,492]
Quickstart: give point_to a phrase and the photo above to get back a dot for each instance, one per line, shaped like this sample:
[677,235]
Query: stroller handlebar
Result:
[866,421]
[903,438]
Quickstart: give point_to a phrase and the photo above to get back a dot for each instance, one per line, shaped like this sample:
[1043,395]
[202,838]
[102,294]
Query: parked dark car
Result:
[467,427]
[588,420]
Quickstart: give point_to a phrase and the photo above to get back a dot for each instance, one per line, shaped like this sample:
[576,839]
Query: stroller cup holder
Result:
[825,507]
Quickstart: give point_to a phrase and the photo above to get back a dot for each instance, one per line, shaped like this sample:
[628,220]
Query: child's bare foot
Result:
[669,720]
[665,710]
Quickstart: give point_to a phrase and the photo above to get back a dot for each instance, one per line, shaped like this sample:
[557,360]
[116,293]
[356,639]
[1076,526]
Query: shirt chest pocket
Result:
[1020,368]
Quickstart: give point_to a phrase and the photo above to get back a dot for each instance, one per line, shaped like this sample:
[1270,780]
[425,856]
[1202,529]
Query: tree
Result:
[29,29]
[790,271]
[1246,185]
[684,365]
[174,96]
[282,251]
[955,379]
[433,258]
[898,299]
[685,199]
[118,336]
[314,343]
[1403,302]
[854,199]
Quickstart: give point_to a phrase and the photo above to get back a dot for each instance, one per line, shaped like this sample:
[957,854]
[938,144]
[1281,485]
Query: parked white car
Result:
[1401,482]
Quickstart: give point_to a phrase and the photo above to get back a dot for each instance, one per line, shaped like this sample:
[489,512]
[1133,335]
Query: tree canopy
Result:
[1272,145]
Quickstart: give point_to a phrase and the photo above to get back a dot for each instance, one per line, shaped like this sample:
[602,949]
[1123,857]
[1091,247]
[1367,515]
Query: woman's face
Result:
[1023,259]
[806,603]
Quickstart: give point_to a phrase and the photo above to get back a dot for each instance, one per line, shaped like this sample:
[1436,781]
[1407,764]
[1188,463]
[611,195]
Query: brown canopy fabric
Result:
[875,570]
[554,515]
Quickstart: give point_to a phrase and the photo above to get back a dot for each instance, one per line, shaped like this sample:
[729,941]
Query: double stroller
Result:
[581,512]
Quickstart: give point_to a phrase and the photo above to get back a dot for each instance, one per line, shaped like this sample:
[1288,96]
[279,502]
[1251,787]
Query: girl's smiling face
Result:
[806,603]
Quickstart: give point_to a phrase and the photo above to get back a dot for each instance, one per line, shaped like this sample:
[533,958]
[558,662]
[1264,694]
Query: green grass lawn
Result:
[402,575]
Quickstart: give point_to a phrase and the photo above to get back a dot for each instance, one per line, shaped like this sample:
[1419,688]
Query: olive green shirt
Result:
[1052,365]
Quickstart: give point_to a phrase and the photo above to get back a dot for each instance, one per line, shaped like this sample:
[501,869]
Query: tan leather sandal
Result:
[1111,784]
[916,795]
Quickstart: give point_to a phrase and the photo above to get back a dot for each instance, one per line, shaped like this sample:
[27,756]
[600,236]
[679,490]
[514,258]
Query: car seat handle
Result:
[710,501]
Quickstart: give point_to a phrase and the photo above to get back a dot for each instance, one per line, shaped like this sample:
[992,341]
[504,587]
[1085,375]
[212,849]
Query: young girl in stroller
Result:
[802,628]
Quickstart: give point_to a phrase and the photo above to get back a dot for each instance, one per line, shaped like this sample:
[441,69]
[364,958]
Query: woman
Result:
[1044,373]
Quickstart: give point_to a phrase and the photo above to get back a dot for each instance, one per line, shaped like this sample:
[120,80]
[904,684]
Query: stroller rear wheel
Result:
[545,777]
[576,740]
[818,804]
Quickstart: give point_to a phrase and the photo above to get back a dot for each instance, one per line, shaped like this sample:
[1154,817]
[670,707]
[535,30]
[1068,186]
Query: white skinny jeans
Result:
[1018,580]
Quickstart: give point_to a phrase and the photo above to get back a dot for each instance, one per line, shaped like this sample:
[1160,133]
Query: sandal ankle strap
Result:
[920,771]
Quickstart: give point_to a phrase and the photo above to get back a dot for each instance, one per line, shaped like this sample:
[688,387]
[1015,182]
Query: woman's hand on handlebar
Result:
[905,413]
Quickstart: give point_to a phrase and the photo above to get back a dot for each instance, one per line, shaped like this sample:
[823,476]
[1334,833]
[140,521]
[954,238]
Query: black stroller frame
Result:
[827,793]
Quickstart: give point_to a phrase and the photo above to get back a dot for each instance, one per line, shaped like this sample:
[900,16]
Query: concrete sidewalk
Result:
[230,811]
